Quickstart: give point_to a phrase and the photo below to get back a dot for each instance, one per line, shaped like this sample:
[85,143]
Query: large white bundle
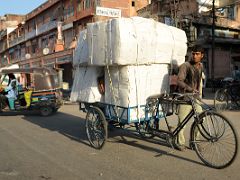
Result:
[81,55]
[132,85]
[180,45]
[85,86]
[127,41]
[122,42]
[164,45]
[97,43]
[146,32]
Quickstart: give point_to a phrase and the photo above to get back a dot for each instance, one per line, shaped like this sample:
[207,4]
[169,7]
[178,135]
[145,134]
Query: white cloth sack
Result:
[85,88]
[81,55]
[132,85]
[127,41]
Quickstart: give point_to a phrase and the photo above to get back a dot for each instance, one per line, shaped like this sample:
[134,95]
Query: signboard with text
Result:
[110,12]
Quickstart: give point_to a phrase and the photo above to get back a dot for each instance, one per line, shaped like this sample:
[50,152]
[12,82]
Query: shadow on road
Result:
[73,127]
[69,125]
[120,136]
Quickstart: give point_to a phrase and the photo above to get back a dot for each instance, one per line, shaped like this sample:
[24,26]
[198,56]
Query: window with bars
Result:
[87,4]
[79,5]
[68,12]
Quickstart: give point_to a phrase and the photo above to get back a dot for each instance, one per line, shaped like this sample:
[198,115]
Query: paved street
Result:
[56,148]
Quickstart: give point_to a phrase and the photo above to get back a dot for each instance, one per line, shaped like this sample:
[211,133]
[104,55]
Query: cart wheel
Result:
[55,110]
[3,104]
[96,127]
[144,129]
[46,111]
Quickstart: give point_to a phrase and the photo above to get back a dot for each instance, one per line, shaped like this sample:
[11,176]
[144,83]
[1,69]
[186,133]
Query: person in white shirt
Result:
[11,90]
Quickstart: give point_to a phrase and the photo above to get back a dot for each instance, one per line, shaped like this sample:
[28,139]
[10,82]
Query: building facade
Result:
[48,34]
[196,18]
[10,20]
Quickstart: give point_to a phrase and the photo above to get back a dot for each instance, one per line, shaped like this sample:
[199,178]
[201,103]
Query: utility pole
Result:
[174,5]
[213,37]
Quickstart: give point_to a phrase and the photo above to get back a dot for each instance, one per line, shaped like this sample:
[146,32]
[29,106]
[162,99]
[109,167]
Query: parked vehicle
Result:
[228,97]
[36,89]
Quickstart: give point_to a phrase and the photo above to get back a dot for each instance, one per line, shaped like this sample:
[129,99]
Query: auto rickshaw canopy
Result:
[43,78]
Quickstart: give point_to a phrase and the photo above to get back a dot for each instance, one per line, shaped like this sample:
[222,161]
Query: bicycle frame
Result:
[181,125]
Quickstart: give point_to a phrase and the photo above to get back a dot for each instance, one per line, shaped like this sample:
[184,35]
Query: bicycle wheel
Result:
[221,100]
[215,140]
[96,127]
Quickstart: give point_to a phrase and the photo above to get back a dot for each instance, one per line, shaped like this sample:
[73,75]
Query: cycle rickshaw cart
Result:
[212,136]
[116,50]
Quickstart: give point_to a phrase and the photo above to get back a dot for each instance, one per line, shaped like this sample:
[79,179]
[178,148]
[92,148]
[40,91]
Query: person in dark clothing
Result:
[189,79]
[190,73]
[11,77]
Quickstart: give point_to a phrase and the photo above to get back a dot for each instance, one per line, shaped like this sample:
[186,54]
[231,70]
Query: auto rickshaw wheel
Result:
[3,103]
[55,110]
[46,111]
[1,107]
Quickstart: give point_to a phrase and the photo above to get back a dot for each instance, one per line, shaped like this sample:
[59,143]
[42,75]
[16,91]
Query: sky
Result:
[18,6]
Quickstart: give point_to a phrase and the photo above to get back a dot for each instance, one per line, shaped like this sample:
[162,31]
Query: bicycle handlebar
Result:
[176,96]
[186,94]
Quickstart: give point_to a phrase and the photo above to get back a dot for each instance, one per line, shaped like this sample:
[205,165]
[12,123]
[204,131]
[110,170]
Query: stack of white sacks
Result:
[133,54]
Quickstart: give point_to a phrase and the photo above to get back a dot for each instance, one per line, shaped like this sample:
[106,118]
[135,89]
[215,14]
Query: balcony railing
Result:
[13,42]
[223,22]
[87,12]
[228,23]
[46,27]
[2,47]
[16,41]
[30,35]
